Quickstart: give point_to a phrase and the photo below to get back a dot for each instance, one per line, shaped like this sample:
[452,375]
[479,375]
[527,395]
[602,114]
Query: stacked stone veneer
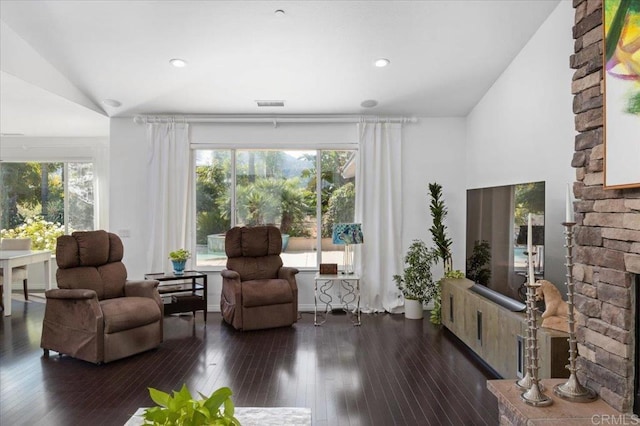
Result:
[607,254]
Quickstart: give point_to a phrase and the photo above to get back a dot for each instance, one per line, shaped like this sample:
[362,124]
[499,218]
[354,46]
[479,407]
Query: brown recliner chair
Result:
[96,314]
[257,291]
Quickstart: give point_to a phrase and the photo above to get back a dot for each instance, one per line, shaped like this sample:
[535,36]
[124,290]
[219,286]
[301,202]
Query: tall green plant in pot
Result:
[440,239]
[416,282]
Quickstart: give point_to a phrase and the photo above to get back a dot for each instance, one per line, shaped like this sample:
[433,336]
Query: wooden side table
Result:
[349,300]
[188,291]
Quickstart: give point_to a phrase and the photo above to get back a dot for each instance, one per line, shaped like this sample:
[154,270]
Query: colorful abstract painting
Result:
[622,92]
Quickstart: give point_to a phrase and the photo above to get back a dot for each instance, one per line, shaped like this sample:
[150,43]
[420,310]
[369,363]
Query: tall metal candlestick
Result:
[533,396]
[526,382]
[572,390]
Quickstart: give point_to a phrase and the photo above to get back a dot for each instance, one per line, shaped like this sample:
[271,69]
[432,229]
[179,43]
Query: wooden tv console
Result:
[497,335]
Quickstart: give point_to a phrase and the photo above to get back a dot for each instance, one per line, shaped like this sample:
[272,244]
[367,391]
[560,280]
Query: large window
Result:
[301,192]
[42,201]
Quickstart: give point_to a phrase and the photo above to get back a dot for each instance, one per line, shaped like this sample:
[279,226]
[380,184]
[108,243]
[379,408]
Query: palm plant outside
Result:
[268,192]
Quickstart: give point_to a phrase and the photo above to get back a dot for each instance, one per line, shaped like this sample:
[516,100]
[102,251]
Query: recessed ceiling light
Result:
[382,62]
[178,63]
[369,103]
[112,103]
[279,13]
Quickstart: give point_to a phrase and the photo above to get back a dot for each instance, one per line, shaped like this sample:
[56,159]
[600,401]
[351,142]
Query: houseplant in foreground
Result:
[182,409]
[179,259]
[416,282]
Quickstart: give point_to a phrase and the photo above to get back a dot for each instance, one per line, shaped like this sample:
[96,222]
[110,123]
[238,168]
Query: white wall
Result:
[282,136]
[522,130]
[128,198]
[432,149]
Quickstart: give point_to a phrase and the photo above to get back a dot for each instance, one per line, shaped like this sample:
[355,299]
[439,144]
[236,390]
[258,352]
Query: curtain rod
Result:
[275,120]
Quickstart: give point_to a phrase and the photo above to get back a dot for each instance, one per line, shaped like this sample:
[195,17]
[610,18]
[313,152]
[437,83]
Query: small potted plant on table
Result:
[179,259]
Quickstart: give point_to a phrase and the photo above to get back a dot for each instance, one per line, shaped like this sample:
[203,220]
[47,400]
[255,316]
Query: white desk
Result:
[349,300]
[12,258]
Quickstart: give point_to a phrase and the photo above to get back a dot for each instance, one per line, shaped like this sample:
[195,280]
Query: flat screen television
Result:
[498,215]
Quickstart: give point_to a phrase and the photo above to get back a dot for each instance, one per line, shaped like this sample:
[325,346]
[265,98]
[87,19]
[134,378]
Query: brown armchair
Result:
[96,314]
[257,291]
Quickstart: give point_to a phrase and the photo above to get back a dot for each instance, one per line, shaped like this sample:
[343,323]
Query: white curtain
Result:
[379,209]
[170,198]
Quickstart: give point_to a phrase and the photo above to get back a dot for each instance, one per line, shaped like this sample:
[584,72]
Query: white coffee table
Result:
[255,416]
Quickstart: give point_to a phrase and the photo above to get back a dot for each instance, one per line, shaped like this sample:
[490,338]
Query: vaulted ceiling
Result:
[62,59]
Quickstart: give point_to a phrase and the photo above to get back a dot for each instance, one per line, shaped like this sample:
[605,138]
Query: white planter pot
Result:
[413,309]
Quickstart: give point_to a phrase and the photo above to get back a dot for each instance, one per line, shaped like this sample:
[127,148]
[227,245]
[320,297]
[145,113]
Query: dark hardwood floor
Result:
[389,371]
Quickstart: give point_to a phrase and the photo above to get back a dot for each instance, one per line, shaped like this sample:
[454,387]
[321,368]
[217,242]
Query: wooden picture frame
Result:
[621,94]
[328,269]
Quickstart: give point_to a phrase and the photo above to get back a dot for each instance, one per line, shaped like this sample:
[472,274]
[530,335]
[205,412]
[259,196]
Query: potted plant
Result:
[416,282]
[438,228]
[179,259]
[436,317]
[441,240]
[182,409]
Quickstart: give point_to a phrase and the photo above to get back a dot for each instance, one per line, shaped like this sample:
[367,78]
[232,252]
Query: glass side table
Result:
[183,293]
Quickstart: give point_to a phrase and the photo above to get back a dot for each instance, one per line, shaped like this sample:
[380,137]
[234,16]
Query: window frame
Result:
[94,184]
[65,184]
[318,148]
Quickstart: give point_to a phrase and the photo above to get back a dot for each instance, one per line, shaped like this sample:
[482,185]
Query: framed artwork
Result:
[621,20]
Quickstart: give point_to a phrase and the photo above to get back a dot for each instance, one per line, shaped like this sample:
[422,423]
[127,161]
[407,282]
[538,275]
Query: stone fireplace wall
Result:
[607,253]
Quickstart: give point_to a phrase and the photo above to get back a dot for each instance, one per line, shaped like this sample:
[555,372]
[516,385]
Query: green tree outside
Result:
[529,198]
[212,201]
[272,188]
[29,190]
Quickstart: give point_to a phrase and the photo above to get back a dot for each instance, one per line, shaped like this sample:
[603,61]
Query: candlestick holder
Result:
[572,390]
[533,396]
[525,382]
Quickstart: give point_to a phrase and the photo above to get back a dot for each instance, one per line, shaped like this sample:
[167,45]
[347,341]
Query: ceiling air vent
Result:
[270,103]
